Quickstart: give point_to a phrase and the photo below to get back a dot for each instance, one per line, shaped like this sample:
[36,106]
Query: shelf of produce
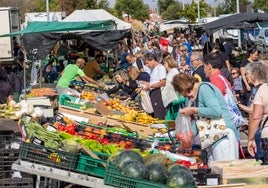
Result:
[142,130]
[58,174]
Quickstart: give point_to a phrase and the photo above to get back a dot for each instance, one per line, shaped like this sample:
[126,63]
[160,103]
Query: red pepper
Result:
[104,141]
[70,129]
[61,127]
[184,163]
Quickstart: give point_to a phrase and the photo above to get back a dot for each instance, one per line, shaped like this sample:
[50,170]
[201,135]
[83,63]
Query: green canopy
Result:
[42,27]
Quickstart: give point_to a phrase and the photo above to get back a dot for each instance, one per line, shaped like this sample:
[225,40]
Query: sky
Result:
[153,3]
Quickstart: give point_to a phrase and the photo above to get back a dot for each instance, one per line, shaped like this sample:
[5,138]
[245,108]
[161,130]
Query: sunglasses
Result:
[233,73]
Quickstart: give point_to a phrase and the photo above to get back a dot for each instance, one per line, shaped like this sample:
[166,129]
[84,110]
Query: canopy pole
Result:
[47,7]
[24,73]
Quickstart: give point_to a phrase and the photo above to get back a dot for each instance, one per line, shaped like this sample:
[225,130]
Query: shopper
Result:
[125,83]
[252,55]
[210,104]
[157,81]
[6,92]
[257,74]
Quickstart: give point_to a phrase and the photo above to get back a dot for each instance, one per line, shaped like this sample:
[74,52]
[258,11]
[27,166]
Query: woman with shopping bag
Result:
[211,118]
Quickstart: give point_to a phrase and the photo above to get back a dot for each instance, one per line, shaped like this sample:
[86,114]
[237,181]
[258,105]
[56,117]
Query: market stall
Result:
[92,140]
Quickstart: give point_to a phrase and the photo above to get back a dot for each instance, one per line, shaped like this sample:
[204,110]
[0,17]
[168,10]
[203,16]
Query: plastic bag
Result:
[184,131]
[146,102]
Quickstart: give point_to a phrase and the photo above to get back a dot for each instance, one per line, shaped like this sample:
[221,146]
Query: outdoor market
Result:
[90,102]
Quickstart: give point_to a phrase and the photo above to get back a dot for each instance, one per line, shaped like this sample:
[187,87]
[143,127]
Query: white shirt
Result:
[157,74]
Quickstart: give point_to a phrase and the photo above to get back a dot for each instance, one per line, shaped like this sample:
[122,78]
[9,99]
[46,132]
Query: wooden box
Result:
[80,115]
[241,171]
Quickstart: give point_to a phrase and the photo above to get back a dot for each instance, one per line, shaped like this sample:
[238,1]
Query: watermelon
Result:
[175,167]
[157,173]
[181,179]
[134,169]
[127,155]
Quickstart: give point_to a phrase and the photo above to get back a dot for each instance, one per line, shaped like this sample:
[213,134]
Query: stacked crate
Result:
[9,153]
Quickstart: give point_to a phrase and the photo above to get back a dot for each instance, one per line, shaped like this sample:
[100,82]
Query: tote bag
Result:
[210,131]
[236,115]
[146,102]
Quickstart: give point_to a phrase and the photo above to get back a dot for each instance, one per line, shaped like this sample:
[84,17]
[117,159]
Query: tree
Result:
[191,11]
[134,8]
[164,4]
[261,5]
[173,12]
[229,6]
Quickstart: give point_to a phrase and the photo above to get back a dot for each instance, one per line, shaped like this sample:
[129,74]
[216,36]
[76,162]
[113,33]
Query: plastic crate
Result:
[115,178]
[103,156]
[24,182]
[9,140]
[71,104]
[42,155]
[7,158]
[91,166]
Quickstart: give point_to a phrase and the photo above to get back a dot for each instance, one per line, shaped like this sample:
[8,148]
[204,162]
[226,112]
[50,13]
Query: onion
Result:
[12,103]
[34,115]
[18,114]
[30,109]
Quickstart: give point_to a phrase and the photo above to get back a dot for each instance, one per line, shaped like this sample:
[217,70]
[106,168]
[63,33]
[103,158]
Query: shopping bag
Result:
[146,102]
[184,133]
[210,131]
[235,113]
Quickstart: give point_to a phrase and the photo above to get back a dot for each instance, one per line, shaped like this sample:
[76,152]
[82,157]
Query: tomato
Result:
[179,136]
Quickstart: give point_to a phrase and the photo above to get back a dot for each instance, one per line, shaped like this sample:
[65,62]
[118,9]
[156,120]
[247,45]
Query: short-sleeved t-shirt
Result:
[261,97]
[157,74]
[216,80]
[69,74]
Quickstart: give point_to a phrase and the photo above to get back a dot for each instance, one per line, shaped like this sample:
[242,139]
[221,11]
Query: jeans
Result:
[264,142]
[259,153]
[224,149]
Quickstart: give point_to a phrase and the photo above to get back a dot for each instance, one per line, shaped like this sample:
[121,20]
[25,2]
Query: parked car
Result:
[261,41]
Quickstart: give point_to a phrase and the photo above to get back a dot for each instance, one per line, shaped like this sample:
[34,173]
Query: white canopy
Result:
[96,15]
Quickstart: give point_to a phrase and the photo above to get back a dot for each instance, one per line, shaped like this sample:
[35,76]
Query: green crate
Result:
[71,104]
[103,156]
[115,178]
[91,166]
[49,157]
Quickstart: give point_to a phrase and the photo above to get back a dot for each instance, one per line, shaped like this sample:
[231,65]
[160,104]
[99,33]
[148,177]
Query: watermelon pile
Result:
[153,168]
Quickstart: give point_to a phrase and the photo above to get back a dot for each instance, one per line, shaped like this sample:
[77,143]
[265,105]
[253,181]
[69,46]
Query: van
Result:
[261,41]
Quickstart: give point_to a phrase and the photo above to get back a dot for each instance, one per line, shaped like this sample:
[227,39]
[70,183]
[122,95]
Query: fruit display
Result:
[40,92]
[88,95]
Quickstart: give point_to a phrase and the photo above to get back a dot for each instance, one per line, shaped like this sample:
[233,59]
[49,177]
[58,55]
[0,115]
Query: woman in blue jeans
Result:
[209,104]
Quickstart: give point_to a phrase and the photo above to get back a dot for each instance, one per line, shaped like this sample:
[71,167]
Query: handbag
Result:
[236,115]
[146,102]
[210,130]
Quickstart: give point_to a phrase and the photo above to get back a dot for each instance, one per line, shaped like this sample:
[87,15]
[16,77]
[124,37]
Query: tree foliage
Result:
[191,11]
[229,6]
[173,12]
[134,8]
[163,5]
[261,5]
